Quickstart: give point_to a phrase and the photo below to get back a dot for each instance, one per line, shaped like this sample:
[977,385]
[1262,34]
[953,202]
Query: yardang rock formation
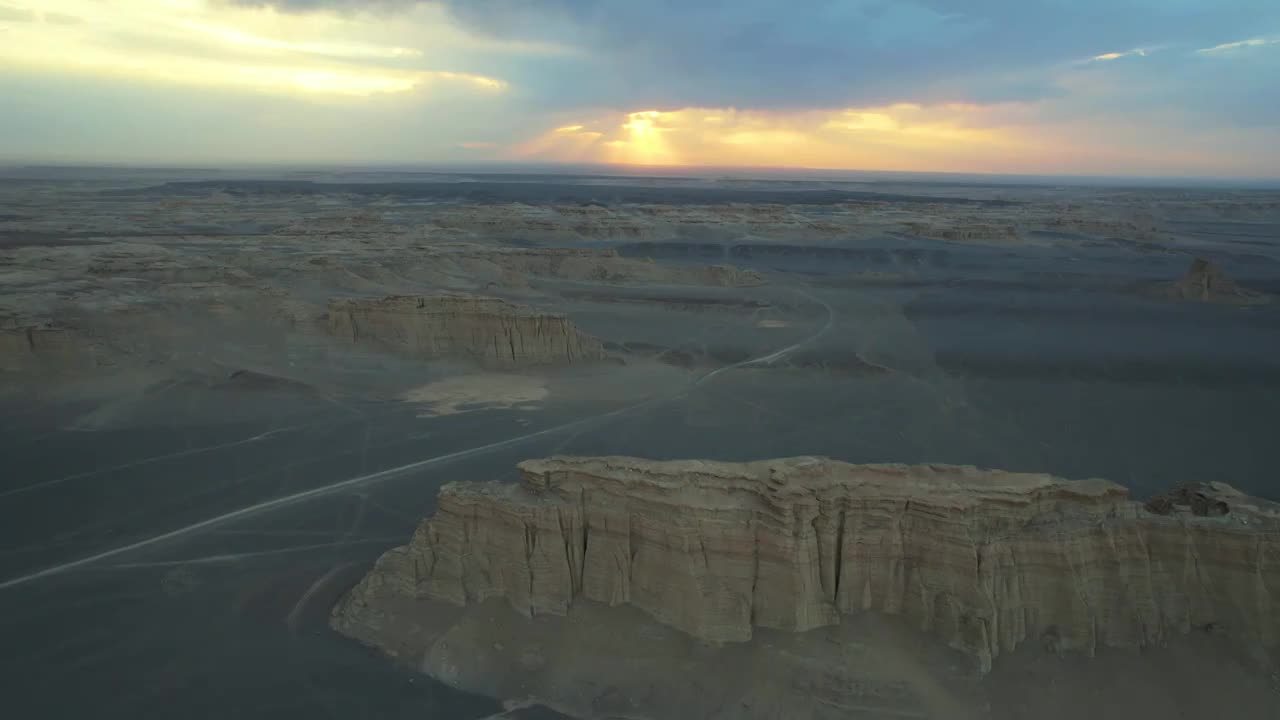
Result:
[984,560]
[490,331]
[1206,282]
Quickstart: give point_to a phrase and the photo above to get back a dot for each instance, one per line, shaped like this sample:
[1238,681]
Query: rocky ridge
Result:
[966,232]
[489,331]
[998,222]
[76,308]
[984,560]
[594,265]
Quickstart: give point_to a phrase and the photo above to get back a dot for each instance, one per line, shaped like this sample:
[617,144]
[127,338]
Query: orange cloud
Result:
[898,137]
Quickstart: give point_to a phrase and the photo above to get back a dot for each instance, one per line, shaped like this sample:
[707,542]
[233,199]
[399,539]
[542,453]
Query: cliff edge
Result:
[982,559]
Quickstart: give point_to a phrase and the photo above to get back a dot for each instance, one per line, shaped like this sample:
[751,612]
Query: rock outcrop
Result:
[489,331]
[597,266]
[984,560]
[254,381]
[966,232]
[1206,282]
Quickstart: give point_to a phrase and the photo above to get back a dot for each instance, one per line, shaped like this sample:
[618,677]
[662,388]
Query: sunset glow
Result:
[900,136]
[893,86]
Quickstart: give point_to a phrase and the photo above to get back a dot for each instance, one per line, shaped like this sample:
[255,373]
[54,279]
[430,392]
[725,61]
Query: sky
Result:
[1091,87]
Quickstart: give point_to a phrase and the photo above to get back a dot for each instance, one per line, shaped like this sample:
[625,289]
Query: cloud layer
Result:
[863,83]
[770,54]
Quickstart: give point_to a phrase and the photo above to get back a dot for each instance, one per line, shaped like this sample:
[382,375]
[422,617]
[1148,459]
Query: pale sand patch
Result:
[773,324]
[484,391]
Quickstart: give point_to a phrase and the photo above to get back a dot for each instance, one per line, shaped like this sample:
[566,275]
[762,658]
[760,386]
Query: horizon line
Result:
[501,167]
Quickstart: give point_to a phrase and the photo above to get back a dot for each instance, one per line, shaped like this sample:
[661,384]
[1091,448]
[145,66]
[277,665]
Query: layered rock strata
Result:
[490,331]
[982,559]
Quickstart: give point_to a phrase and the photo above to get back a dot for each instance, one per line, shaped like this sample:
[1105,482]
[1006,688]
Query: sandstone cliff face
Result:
[984,560]
[490,331]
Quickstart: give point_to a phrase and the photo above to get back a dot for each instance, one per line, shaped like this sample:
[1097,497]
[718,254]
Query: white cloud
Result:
[1105,57]
[1240,45]
[239,39]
